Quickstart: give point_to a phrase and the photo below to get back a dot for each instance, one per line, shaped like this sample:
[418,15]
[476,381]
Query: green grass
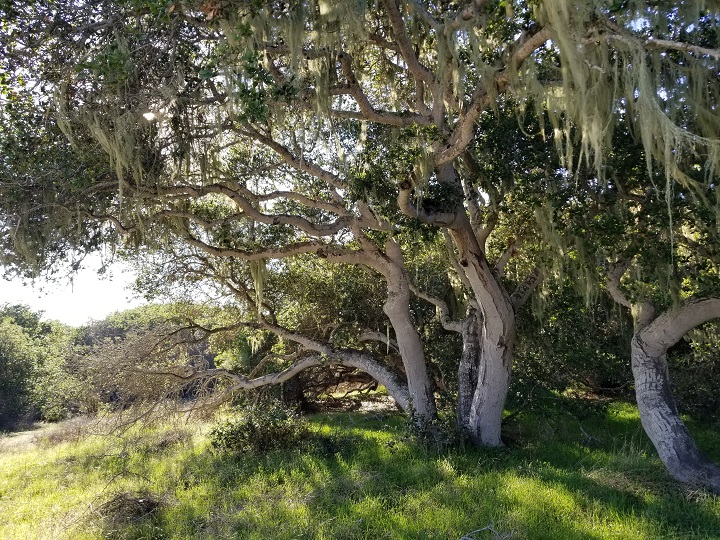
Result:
[360,478]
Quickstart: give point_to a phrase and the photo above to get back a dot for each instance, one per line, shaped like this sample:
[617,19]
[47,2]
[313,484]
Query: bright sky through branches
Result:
[88,297]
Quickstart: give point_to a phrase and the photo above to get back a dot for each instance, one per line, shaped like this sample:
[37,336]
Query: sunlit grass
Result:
[359,478]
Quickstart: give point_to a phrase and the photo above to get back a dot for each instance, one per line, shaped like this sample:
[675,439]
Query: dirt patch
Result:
[45,434]
[22,440]
[379,404]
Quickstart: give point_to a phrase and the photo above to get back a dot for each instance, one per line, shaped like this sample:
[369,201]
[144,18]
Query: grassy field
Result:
[357,477]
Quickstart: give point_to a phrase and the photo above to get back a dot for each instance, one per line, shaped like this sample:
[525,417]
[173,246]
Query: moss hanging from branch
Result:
[258,273]
[611,65]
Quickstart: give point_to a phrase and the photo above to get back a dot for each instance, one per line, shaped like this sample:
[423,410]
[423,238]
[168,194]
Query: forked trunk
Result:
[487,349]
[662,422]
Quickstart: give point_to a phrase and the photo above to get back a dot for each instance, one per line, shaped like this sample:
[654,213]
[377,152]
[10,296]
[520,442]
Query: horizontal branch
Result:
[653,43]
[667,329]
[284,252]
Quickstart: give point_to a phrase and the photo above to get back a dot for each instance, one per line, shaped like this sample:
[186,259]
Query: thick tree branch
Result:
[667,329]
[612,284]
[441,307]
[523,291]
[418,70]
[463,132]
[396,387]
[284,252]
[505,258]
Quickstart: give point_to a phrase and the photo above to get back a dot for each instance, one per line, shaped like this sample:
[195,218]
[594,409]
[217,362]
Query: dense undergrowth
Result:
[353,476]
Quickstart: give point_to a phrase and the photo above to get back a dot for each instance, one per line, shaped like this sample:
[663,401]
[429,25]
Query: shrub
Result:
[695,369]
[259,428]
[17,354]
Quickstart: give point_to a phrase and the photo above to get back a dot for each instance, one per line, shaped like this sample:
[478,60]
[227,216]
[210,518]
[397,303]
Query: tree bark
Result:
[493,340]
[488,404]
[662,422]
[658,411]
[397,388]
[468,368]
[397,308]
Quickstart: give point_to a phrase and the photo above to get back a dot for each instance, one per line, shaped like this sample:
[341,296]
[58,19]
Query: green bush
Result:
[17,353]
[259,428]
[695,372]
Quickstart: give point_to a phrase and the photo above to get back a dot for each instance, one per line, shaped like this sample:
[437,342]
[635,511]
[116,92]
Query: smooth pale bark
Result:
[397,308]
[397,388]
[658,412]
[488,404]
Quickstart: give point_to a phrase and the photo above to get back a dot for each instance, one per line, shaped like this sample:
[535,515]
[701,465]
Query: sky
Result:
[88,297]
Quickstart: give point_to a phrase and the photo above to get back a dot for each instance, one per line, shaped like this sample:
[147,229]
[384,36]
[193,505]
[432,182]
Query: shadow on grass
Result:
[358,477]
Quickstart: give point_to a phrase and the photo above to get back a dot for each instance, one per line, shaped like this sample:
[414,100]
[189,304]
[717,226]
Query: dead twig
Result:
[498,535]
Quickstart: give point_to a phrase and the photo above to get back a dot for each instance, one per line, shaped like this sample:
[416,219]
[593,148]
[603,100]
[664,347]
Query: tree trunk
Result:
[493,382]
[658,412]
[662,422]
[493,340]
[397,308]
[468,368]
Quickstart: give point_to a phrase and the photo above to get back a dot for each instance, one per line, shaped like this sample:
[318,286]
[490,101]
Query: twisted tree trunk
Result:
[491,388]
[490,342]
[662,422]
[658,412]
